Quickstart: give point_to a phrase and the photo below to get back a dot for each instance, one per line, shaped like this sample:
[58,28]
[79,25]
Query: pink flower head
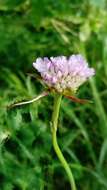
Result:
[64,74]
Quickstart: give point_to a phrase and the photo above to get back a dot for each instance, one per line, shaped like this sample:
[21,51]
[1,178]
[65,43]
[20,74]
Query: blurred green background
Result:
[33,28]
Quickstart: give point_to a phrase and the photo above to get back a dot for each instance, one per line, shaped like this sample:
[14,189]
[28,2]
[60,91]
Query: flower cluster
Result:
[64,74]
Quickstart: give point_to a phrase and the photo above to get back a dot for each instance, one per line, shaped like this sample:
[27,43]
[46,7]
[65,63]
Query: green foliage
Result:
[29,29]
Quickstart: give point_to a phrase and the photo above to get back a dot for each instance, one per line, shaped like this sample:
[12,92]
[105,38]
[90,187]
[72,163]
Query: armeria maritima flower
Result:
[63,74]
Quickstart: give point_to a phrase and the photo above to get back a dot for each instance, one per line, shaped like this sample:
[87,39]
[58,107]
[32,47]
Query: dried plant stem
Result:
[29,101]
[64,163]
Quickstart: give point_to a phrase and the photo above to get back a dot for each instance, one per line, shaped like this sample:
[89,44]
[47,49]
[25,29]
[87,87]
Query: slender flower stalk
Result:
[57,102]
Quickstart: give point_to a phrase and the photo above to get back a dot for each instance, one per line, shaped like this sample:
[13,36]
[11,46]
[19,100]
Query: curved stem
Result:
[64,163]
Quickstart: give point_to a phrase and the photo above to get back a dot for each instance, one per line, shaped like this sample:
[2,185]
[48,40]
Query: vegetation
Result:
[33,28]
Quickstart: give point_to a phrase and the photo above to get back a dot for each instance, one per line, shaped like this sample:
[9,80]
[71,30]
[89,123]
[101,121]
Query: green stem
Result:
[64,163]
